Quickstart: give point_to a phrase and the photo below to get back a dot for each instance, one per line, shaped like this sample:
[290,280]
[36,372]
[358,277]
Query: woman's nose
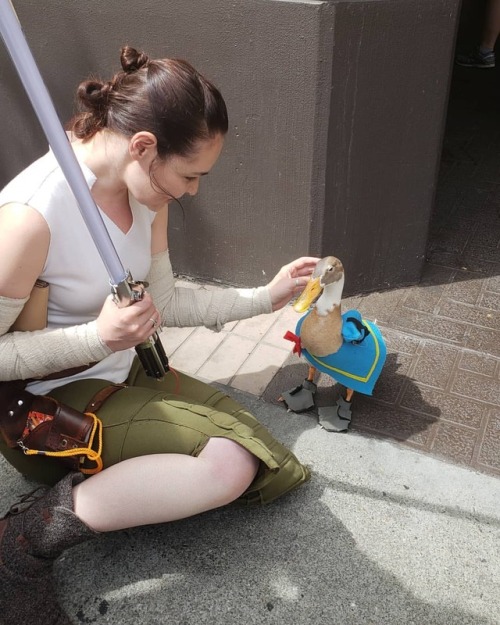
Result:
[193,186]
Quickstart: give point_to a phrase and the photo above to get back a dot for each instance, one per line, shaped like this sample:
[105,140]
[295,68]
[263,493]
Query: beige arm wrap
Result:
[195,307]
[36,354]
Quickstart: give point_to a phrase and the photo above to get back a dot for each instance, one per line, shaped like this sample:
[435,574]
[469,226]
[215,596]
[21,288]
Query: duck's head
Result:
[327,277]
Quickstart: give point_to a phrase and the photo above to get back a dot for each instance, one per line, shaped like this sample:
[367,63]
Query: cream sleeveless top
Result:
[79,282]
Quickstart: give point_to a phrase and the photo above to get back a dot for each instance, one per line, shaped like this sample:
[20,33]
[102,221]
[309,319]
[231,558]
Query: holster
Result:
[40,425]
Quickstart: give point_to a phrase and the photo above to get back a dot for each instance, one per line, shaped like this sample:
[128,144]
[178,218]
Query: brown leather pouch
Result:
[40,425]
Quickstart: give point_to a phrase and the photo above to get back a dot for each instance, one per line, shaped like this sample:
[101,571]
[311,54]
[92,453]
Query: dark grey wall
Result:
[336,114]
[391,70]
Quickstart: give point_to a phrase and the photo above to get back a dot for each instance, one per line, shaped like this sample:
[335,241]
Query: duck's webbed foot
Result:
[336,418]
[301,397]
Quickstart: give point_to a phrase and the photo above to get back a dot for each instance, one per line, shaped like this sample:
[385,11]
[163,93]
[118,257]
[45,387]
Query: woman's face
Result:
[170,179]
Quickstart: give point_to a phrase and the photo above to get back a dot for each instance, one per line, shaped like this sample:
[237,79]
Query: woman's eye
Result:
[190,178]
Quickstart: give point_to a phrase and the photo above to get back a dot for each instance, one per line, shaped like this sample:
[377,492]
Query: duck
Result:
[345,346]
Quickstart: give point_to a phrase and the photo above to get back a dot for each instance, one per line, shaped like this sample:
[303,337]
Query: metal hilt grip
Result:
[151,353]
[153,357]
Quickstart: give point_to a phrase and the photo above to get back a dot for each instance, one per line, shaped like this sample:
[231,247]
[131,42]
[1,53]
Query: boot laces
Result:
[27,500]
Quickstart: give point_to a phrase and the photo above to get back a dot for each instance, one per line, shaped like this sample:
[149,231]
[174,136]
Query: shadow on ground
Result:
[294,563]
[381,415]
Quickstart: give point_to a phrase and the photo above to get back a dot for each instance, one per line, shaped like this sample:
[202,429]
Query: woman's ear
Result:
[143,144]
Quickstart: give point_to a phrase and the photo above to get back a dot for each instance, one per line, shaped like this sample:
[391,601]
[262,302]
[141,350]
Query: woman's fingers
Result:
[121,328]
[303,266]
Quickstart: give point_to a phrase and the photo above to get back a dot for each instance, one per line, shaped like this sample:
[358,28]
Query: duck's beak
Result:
[311,292]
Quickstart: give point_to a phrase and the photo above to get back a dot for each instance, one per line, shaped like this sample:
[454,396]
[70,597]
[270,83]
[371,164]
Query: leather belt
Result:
[101,396]
[64,374]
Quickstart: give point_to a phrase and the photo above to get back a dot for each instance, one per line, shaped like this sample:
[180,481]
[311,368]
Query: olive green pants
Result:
[170,416]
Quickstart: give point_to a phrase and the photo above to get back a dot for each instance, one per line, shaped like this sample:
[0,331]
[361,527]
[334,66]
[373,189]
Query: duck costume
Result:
[345,346]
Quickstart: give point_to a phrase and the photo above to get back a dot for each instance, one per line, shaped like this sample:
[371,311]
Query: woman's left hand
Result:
[291,280]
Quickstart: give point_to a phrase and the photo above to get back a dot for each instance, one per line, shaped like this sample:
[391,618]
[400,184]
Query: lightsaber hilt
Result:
[151,353]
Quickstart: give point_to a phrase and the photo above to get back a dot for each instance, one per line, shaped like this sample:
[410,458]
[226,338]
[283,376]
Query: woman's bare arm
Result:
[24,241]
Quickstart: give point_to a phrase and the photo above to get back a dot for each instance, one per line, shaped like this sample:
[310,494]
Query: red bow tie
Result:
[297,348]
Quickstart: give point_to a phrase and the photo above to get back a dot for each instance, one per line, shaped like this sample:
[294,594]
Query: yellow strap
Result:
[88,452]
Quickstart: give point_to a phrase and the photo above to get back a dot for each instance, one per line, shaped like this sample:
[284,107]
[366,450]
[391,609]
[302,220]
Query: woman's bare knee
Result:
[233,467]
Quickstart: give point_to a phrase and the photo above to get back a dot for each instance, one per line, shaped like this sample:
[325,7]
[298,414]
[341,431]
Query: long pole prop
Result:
[151,353]
[43,106]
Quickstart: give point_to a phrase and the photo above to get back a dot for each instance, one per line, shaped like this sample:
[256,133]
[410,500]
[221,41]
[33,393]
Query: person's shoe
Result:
[477,58]
[32,535]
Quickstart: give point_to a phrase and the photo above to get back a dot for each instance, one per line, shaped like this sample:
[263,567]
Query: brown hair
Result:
[167,97]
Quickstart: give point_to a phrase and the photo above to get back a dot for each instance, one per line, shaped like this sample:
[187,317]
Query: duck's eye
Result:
[329,268]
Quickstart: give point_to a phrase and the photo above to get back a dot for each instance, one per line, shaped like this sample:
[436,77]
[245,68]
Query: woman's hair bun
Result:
[132,60]
[94,93]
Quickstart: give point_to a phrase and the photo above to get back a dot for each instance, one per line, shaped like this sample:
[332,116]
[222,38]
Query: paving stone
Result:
[487,235]
[453,239]
[476,315]
[477,387]
[433,274]
[259,369]
[425,298]
[464,262]
[255,327]
[286,321]
[490,300]
[454,441]
[172,338]
[466,287]
[482,253]
[448,194]
[352,302]
[490,448]
[430,325]
[487,172]
[429,401]
[474,197]
[443,259]
[391,422]
[393,377]
[435,364]
[479,259]
[400,342]
[227,359]
[493,283]
[381,306]
[494,197]
[478,363]
[484,340]
[191,355]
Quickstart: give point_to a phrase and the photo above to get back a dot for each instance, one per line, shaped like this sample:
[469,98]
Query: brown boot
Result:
[32,535]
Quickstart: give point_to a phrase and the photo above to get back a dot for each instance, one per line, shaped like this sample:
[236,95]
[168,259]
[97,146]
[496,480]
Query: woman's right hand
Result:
[122,328]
